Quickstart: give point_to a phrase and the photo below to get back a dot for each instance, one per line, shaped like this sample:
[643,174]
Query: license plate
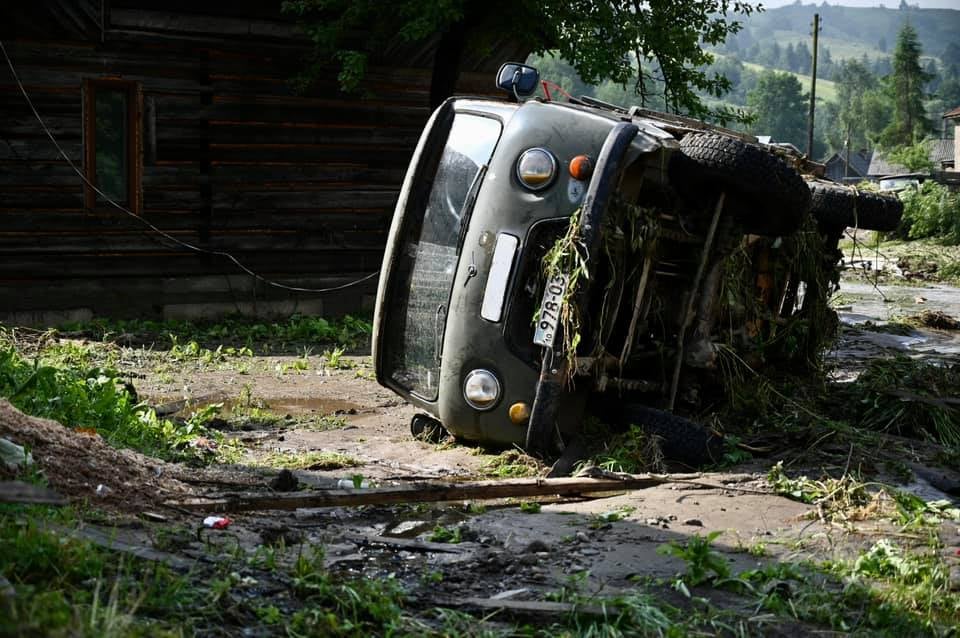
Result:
[550,307]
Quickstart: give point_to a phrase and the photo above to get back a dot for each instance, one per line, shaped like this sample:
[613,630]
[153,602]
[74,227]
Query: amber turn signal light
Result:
[581,167]
[519,413]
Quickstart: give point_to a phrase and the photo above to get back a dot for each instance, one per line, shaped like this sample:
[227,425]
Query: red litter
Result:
[217,522]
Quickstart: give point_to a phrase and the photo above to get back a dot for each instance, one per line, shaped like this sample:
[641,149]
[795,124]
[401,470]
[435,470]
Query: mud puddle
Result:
[280,405]
[861,303]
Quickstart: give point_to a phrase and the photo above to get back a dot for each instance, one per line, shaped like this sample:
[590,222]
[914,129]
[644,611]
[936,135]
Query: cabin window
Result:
[111,142]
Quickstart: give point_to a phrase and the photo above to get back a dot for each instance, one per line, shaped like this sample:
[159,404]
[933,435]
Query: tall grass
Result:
[95,398]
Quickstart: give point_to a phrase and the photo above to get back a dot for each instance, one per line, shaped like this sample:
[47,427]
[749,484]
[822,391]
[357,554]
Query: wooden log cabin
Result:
[184,111]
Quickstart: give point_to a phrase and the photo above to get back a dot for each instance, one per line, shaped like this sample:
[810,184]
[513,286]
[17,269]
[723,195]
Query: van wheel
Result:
[764,194]
[426,428]
[835,205]
[680,439]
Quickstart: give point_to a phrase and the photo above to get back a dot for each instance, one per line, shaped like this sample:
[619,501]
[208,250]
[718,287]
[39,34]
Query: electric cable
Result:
[164,234]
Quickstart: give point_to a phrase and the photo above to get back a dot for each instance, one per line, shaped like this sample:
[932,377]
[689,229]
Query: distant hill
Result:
[850,31]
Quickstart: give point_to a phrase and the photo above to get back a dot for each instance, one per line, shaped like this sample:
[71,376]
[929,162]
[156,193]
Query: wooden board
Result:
[423,493]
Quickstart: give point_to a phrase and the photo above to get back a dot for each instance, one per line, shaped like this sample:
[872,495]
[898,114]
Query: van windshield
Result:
[428,260]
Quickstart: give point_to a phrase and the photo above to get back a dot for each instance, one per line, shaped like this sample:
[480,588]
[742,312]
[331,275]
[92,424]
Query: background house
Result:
[838,170]
[952,173]
[940,152]
[185,113]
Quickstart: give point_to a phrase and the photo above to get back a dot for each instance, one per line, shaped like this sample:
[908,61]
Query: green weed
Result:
[310,460]
[906,397]
[97,398]
[703,563]
[631,452]
[333,358]
[442,534]
[69,587]
[598,521]
[290,334]
[192,351]
[354,608]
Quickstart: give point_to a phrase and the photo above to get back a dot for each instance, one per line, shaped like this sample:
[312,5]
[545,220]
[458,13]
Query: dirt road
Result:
[299,411]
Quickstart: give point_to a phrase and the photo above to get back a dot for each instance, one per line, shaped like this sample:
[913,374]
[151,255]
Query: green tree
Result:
[906,86]
[780,106]
[625,41]
[915,157]
[863,108]
[951,55]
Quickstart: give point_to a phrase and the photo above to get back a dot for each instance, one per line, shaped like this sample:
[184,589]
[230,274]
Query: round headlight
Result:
[481,389]
[536,168]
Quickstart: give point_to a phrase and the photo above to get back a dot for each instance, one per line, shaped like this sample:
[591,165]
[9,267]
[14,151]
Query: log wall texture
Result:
[299,187]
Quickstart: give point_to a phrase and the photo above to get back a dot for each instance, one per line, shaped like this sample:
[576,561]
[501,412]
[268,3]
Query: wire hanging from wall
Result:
[161,233]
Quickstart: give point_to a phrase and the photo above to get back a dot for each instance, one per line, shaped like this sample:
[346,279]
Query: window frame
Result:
[133,147]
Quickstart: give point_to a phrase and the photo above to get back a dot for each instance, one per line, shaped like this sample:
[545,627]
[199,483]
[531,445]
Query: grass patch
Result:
[921,260]
[632,452]
[67,587]
[238,332]
[907,397]
[61,387]
[884,591]
[310,460]
[511,464]
[443,534]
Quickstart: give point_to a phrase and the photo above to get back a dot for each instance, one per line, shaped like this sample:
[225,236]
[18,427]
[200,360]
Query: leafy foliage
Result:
[915,157]
[631,452]
[906,397]
[703,563]
[780,107]
[242,332]
[626,41]
[932,210]
[70,587]
[96,398]
[906,86]
[862,107]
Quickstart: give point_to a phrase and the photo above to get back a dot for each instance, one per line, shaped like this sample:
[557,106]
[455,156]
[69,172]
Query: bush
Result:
[931,211]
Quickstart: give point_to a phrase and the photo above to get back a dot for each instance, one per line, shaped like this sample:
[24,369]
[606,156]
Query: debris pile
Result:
[76,463]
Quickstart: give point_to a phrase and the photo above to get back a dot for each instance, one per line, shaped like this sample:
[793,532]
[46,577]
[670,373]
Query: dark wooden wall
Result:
[300,188]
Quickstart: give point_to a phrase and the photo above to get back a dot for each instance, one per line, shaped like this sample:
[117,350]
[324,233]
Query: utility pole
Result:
[846,164]
[813,85]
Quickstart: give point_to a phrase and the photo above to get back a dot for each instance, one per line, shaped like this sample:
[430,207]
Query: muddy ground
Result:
[285,408]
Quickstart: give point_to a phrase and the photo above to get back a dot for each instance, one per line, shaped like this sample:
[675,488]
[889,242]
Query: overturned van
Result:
[550,260]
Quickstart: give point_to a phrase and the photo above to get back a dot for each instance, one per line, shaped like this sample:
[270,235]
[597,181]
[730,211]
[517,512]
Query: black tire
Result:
[878,211]
[838,206]
[765,194]
[680,439]
[426,428]
[831,204]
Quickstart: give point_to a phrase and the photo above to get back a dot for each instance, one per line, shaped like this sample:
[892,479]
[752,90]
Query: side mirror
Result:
[520,80]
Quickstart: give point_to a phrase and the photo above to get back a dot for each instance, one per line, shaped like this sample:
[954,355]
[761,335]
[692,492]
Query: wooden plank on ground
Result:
[534,609]
[424,493]
[20,492]
[115,540]
[408,544]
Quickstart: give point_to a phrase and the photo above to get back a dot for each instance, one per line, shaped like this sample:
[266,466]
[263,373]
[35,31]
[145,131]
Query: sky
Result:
[890,4]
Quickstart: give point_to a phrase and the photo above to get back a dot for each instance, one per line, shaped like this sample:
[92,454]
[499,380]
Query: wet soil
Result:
[505,551]
[867,311]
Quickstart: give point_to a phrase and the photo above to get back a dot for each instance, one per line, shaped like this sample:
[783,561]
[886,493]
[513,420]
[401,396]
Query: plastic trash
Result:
[352,483]
[217,522]
[103,490]
[14,456]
